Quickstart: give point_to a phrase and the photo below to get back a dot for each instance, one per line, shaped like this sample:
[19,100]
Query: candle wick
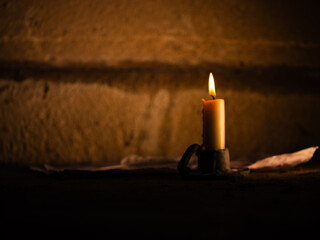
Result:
[213,97]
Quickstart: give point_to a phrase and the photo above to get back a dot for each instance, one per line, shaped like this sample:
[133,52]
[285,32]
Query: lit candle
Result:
[213,120]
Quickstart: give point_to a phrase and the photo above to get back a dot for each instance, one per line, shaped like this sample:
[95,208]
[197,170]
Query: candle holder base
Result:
[212,164]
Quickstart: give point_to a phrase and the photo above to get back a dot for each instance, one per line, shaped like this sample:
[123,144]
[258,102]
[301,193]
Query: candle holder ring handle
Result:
[183,168]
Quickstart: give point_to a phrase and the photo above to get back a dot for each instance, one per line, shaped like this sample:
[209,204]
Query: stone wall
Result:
[94,81]
[183,32]
[82,117]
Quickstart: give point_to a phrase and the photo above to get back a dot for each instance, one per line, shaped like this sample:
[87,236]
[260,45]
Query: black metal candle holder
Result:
[211,164]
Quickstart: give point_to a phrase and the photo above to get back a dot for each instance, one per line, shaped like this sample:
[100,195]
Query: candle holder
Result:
[211,164]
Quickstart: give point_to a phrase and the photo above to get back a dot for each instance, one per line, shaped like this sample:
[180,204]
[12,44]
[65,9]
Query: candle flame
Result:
[212,89]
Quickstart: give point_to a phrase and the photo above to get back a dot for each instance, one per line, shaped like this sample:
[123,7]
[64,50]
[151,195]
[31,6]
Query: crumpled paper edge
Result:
[284,161]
